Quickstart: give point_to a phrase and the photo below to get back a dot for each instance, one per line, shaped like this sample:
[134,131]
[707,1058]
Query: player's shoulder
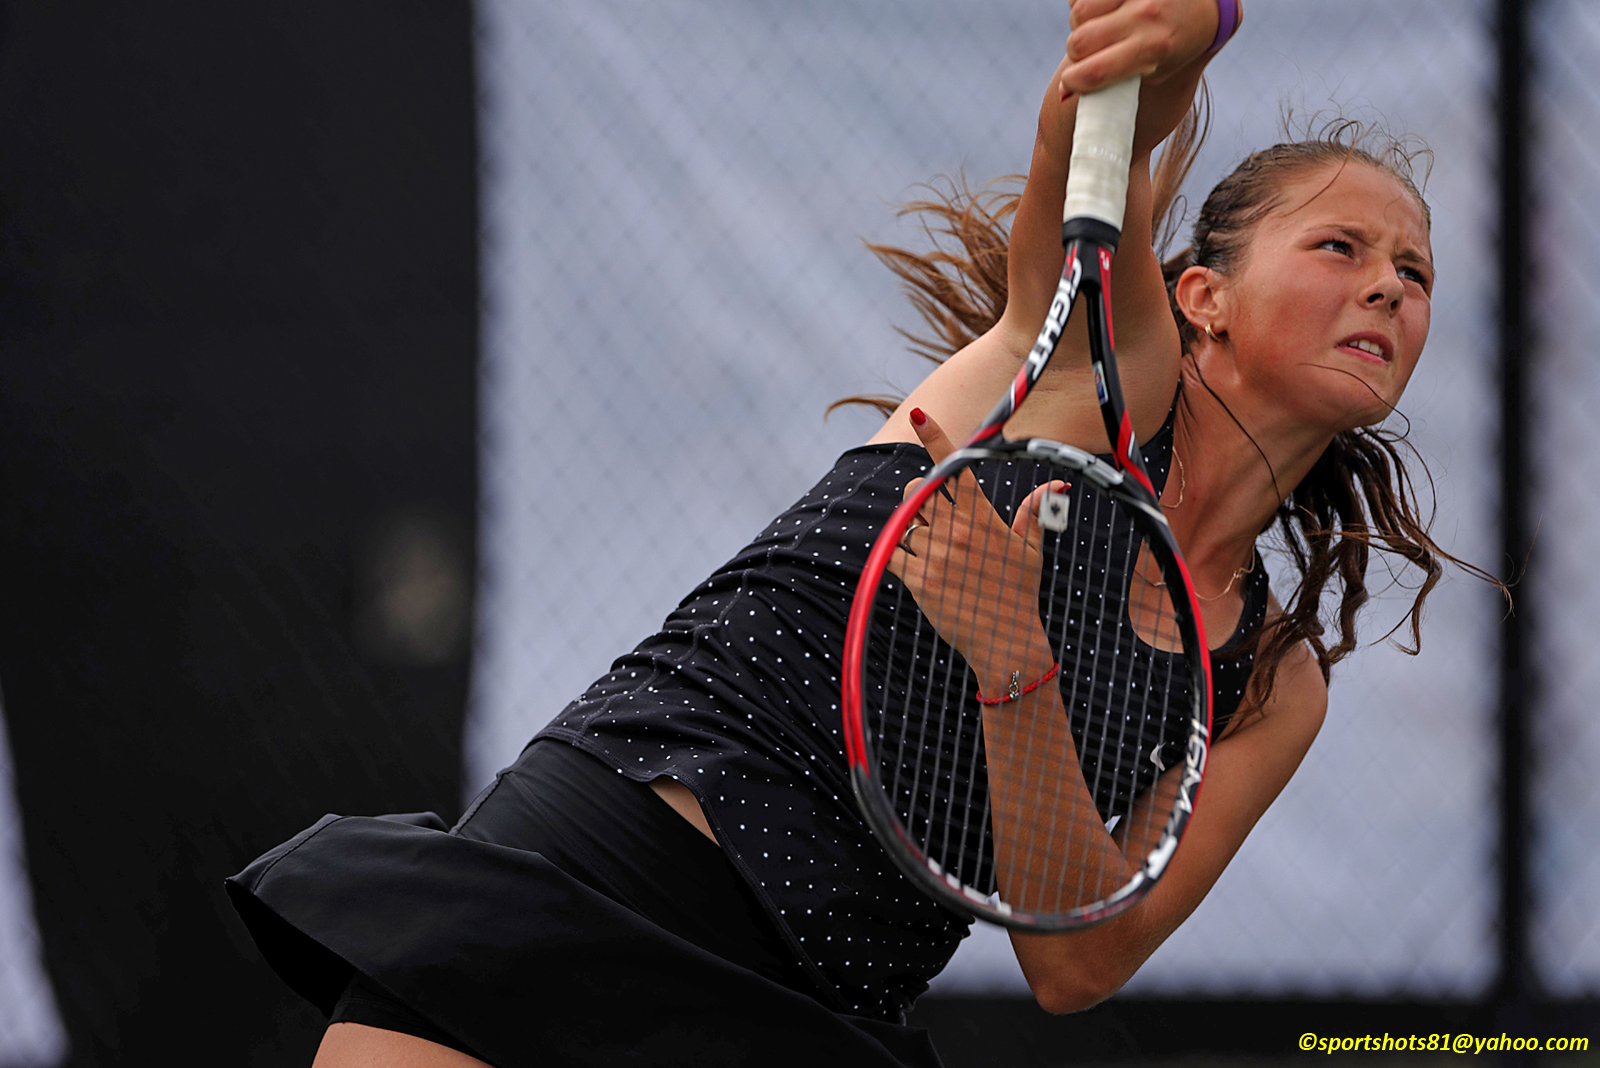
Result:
[1299,675]
[1300,687]
[1282,729]
[1298,703]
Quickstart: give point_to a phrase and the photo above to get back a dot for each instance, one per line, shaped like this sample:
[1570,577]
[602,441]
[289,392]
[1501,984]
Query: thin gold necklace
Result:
[1183,480]
[1237,575]
[1183,488]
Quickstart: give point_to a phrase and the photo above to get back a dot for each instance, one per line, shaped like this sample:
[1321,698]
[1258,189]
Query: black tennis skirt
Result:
[570,918]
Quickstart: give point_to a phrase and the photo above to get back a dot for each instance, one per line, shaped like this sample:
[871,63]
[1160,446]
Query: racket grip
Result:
[1102,152]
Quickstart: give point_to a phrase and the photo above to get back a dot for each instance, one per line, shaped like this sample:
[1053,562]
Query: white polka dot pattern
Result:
[737,697]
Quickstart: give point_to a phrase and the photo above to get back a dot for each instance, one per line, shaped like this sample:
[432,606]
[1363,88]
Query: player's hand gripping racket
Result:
[1026,685]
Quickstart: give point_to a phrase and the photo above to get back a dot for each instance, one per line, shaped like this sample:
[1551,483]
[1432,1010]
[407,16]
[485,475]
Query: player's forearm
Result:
[1077,970]
[1163,105]
[1034,263]
[1056,855]
[1245,772]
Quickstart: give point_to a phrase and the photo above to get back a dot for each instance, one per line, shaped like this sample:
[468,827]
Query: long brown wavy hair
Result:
[1359,496]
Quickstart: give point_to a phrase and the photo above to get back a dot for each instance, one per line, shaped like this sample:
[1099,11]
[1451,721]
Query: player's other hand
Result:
[975,576]
[1116,39]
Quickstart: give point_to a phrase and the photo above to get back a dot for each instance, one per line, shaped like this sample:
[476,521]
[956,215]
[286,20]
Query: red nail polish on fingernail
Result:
[918,416]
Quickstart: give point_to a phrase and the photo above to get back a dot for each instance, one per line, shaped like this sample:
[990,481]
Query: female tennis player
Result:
[674,871]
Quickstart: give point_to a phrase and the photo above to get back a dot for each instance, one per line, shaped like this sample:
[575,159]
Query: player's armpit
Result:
[1244,774]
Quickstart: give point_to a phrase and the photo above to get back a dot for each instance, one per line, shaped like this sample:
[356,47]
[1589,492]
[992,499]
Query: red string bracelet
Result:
[1017,690]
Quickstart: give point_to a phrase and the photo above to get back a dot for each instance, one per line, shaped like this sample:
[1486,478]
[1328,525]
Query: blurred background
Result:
[371,375]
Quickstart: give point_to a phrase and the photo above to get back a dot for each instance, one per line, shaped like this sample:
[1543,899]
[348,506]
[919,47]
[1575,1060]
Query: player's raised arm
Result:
[1168,44]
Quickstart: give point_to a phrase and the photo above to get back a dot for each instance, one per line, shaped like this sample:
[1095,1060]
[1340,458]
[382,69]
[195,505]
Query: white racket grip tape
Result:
[1102,152]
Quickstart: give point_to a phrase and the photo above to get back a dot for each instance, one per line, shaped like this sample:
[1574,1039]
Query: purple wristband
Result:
[1227,22]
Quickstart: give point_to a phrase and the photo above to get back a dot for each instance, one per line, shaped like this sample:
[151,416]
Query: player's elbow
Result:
[1074,992]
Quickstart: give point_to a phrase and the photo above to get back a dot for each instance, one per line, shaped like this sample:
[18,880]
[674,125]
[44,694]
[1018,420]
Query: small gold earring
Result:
[1209,334]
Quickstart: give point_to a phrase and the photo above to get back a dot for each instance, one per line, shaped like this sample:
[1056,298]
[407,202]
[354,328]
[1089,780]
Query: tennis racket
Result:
[1026,686]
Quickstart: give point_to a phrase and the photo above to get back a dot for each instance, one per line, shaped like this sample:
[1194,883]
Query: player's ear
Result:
[1198,293]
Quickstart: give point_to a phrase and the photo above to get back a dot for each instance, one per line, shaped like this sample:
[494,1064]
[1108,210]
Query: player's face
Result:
[1329,312]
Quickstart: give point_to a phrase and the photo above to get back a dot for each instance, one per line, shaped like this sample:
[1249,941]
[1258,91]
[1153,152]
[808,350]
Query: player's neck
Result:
[1225,484]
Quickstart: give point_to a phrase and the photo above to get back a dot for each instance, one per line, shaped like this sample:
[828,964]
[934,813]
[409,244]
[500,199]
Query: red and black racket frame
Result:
[1090,245]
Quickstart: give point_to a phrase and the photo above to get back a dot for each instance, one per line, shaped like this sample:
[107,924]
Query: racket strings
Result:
[1070,589]
[1065,823]
[1052,857]
[956,682]
[1043,801]
[1114,708]
[977,773]
[933,761]
[1158,627]
[1033,840]
[904,720]
[1057,617]
[910,655]
[1099,633]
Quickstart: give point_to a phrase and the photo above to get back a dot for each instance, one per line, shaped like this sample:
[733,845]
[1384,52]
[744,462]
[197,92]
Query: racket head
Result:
[1000,810]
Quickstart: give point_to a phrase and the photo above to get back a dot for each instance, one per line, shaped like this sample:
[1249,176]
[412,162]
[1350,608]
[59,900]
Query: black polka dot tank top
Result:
[737,697]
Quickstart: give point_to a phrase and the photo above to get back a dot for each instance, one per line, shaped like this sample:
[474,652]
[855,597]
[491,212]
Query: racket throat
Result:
[1096,255]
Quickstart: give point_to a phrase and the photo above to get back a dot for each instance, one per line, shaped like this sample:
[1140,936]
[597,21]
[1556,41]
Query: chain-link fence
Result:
[1566,475]
[675,198]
